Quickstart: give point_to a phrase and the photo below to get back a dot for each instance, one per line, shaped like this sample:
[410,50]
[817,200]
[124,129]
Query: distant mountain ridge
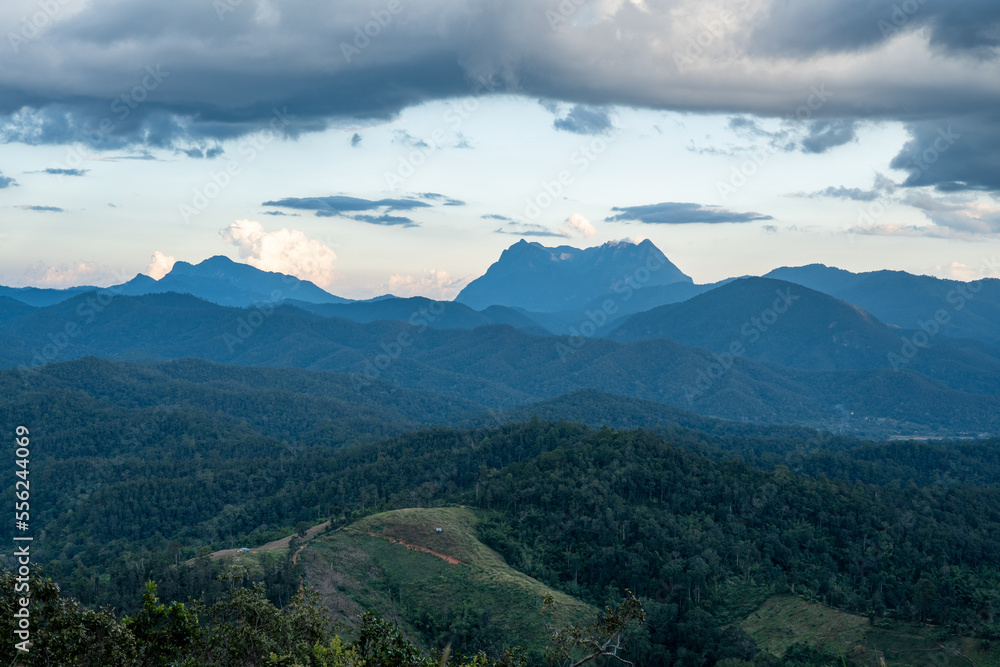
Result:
[225,282]
[536,278]
[968,310]
[499,366]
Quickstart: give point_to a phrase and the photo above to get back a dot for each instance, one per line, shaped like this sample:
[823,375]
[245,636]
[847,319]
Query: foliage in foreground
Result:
[241,629]
[244,629]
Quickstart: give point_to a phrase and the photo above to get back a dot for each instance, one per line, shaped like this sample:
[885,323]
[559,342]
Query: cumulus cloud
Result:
[678,213]
[952,216]
[580,224]
[73,274]
[960,214]
[159,265]
[435,283]
[285,251]
[6,181]
[964,272]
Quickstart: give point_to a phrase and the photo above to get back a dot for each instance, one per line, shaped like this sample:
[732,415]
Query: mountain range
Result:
[763,350]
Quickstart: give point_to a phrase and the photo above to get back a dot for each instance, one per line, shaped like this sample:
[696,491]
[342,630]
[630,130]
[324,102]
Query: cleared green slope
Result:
[440,586]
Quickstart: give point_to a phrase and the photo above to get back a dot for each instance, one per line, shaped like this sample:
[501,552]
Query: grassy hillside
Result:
[440,586]
[783,622]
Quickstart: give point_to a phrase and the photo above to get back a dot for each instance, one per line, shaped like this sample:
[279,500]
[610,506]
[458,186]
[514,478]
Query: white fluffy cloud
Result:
[41,274]
[159,265]
[435,283]
[580,224]
[285,251]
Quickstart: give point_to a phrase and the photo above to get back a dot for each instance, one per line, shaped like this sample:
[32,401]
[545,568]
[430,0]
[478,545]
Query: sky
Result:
[399,146]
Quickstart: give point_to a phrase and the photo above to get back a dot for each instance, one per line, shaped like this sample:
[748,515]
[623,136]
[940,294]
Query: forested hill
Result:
[702,538]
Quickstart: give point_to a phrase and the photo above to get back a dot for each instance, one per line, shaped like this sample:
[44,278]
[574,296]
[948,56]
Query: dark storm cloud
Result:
[792,27]
[953,154]
[6,181]
[183,76]
[679,213]
[355,140]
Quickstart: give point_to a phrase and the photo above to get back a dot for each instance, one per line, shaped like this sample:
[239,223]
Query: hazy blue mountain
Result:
[225,282]
[422,311]
[533,277]
[43,296]
[905,300]
[499,367]
[771,320]
[607,311]
[11,309]
[788,324]
[217,279]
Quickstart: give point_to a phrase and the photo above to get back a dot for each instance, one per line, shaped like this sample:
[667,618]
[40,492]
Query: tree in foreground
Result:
[603,638]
